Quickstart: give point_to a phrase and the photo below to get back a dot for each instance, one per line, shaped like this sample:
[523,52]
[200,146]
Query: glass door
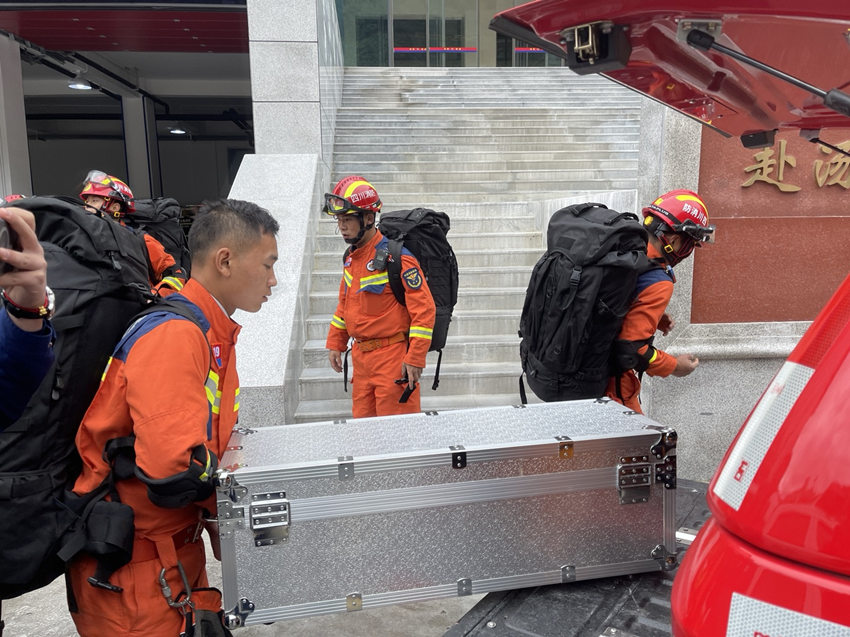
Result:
[409,32]
[434,32]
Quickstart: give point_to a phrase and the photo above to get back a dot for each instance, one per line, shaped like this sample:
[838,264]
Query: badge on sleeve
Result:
[412,277]
[216,351]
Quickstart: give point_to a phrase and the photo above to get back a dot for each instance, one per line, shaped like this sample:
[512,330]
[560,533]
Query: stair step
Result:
[465,323]
[497,276]
[495,349]
[482,258]
[465,378]
[462,241]
[459,224]
[499,189]
[344,149]
[324,302]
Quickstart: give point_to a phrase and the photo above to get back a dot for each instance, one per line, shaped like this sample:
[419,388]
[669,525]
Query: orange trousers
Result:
[629,389]
[140,609]
[374,391]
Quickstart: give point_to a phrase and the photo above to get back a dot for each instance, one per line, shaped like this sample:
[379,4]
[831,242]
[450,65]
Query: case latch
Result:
[269,518]
[236,617]
[634,479]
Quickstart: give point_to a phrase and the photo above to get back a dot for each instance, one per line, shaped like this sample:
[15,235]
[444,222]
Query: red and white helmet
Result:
[99,184]
[682,212]
[352,195]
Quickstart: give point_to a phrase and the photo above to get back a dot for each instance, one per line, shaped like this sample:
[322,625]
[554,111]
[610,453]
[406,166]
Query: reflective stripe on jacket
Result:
[168,389]
[368,309]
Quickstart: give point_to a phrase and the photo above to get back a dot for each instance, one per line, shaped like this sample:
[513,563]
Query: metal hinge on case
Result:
[464,586]
[345,468]
[634,479]
[665,444]
[665,558]
[458,456]
[353,601]
[269,518]
[230,517]
[665,472]
[565,447]
[236,617]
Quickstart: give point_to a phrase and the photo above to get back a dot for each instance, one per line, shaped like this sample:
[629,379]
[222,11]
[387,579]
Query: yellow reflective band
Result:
[417,331]
[337,322]
[692,198]
[375,279]
[654,356]
[353,185]
[213,394]
[106,369]
[173,282]
[236,401]
[206,474]
[347,277]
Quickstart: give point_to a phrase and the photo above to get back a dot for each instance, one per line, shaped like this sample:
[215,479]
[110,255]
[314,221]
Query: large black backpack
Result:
[160,218]
[578,295]
[98,271]
[423,232]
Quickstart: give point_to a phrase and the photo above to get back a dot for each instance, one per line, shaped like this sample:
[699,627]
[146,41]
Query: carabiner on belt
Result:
[180,604]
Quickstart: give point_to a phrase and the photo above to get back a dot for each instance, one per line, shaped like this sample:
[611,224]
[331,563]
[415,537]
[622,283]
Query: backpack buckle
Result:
[575,277]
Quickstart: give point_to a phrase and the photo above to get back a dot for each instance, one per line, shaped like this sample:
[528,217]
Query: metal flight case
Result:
[339,516]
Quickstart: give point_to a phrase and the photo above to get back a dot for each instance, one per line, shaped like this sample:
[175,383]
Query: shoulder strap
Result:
[394,269]
[180,306]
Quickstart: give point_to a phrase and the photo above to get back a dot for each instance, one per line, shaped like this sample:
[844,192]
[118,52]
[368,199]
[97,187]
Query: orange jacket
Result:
[163,387]
[639,325]
[165,277]
[368,308]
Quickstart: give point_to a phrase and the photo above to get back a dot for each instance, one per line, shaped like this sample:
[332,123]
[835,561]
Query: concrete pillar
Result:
[14,148]
[296,76]
[141,147]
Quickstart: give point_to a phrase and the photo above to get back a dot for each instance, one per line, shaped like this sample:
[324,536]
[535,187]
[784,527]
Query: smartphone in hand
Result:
[8,239]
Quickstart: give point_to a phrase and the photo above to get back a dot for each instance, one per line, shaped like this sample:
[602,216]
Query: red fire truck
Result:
[773,560]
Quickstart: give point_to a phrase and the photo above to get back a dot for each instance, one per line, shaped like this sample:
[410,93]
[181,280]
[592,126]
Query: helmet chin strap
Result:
[363,230]
[670,255]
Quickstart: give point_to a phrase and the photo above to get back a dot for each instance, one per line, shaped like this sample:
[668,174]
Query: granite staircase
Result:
[492,148]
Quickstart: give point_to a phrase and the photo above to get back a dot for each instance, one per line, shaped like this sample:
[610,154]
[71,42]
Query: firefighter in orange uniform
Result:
[677,223]
[108,196]
[390,340]
[175,389]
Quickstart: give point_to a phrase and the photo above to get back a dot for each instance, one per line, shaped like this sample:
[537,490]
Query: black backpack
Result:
[423,232]
[160,218]
[578,295]
[98,271]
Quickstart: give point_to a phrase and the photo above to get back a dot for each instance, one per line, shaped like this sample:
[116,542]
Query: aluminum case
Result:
[338,516]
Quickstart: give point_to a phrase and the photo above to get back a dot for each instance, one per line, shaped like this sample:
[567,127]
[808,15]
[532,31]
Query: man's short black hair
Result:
[242,222]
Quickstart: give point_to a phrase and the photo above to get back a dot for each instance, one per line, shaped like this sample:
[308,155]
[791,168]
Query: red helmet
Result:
[352,195]
[682,212]
[99,184]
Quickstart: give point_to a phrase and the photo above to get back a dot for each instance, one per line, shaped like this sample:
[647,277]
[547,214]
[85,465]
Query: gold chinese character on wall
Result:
[836,171]
[766,165]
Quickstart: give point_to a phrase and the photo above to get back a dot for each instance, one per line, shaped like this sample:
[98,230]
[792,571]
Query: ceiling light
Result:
[177,130]
[79,83]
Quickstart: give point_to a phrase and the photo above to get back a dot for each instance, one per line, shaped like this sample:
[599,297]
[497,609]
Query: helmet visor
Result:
[336,205]
[700,234]
[99,177]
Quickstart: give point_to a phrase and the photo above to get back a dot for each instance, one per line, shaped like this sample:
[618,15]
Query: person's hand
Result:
[335,358]
[215,539]
[412,373]
[666,324]
[685,364]
[25,284]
